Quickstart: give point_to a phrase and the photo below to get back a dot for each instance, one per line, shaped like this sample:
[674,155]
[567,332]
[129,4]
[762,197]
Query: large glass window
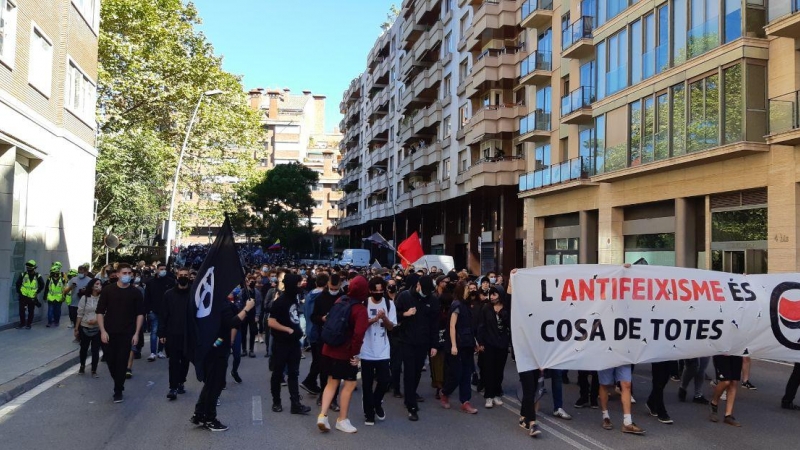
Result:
[733,19]
[636,133]
[662,41]
[703,26]
[679,27]
[733,104]
[544,99]
[600,145]
[662,128]
[649,45]
[648,127]
[617,62]
[616,140]
[678,120]
[655,249]
[601,70]
[739,226]
[704,114]
[542,154]
[636,53]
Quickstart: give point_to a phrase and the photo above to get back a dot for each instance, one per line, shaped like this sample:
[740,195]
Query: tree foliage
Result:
[393,13]
[153,67]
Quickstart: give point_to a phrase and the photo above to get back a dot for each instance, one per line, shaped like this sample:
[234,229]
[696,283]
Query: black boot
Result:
[299,408]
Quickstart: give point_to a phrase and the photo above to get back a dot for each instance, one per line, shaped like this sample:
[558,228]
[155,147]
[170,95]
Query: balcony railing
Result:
[535,121]
[574,169]
[784,114]
[703,37]
[530,6]
[580,29]
[536,61]
[577,99]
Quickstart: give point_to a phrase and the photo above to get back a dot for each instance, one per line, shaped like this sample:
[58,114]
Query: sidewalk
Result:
[30,357]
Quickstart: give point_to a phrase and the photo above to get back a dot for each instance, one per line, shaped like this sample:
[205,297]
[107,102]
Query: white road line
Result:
[258,415]
[11,406]
[783,363]
[553,432]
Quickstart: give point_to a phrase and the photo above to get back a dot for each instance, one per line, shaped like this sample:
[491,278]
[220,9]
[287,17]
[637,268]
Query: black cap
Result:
[426,283]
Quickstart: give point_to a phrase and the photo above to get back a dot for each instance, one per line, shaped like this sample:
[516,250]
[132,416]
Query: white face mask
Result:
[333,292]
[162,273]
[492,280]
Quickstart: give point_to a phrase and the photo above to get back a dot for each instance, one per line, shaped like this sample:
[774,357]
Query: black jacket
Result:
[323,305]
[154,293]
[490,332]
[423,327]
[172,321]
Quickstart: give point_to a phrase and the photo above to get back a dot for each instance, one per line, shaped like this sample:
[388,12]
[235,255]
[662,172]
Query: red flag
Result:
[410,250]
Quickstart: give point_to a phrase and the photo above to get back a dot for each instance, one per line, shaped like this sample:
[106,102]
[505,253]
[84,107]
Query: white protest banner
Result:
[592,317]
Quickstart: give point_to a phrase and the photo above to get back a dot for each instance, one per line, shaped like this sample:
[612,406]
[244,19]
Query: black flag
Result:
[220,273]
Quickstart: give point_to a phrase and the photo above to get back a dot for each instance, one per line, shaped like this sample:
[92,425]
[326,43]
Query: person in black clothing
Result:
[418,314]
[250,323]
[284,323]
[494,336]
[171,332]
[123,305]
[396,360]
[460,361]
[214,367]
[322,306]
[153,304]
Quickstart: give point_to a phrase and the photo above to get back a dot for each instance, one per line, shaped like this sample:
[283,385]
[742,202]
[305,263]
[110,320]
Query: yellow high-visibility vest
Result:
[55,293]
[30,286]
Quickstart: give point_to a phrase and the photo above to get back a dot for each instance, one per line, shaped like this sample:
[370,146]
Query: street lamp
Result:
[168,227]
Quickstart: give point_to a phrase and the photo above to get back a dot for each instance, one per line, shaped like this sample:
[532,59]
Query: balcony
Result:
[782,19]
[425,193]
[503,171]
[784,120]
[494,119]
[491,15]
[536,69]
[411,33]
[535,127]
[576,40]
[536,13]
[429,79]
[429,41]
[569,173]
[426,155]
[426,11]
[494,65]
[576,107]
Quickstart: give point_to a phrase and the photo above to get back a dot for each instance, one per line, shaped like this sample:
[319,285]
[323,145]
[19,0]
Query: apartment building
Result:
[429,134]
[48,74]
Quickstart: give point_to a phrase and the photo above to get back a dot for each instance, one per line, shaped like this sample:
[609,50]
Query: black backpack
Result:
[337,326]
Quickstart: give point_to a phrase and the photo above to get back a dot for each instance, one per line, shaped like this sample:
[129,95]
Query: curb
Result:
[35,377]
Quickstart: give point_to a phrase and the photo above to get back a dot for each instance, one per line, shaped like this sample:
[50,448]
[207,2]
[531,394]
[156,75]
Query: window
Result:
[447,127]
[601,70]
[600,143]
[679,27]
[542,155]
[463,70]
[733,19]
[636,53]
[703,26]
[617,62]
[662,39]
[447,86]
[450,46]
[8,31]
[89,10]
[79,93]
[703,124]
[678,120]
[662,128]
[463,116]
[40,71]
[733,103]
[635,137]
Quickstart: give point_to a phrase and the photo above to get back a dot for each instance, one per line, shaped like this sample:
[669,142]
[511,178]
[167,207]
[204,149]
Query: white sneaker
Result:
[724,395]
[345,426]
[489,403]
[161,355]
[323,424]
[152,357]
[498,401]
[561,414]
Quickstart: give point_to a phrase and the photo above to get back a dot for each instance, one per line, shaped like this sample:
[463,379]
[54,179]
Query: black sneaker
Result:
[582,403]
[196,420]
[700,400]
[412,416]
[681,394]
[215,425]
[665,418]
[369,421]
[380,414]
[277,407]
[790,406]
[181,389]
[82,369]
[749,385]
[650,409]
[313,390]
[118,397]
[236,377]
[173,394]
[299,408]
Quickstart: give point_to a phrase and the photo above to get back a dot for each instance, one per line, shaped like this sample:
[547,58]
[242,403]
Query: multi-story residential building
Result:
[48,74]
[661,129]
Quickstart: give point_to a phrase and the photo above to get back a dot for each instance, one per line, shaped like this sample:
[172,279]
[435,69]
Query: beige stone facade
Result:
[48,75]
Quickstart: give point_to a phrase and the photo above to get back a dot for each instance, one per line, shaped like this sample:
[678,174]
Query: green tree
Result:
[391,16]
[153,66]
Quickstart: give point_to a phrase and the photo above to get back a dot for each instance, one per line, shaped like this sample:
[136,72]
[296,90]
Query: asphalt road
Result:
[76,412]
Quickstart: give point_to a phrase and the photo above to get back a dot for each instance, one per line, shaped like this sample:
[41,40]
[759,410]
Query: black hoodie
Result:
[285,311]
[422,328]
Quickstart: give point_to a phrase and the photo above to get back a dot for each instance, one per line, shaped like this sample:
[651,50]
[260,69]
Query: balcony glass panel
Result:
[580,29]
[783,113]
[703,37]
[536,61]
[530,6]
[579,98]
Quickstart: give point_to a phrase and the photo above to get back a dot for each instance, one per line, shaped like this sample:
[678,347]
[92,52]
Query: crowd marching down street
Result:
[387,324]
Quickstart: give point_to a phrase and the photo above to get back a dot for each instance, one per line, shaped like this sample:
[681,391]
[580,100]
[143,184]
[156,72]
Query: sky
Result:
[316,45]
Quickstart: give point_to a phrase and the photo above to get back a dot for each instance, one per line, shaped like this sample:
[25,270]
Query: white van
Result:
[444,263]
[356,257]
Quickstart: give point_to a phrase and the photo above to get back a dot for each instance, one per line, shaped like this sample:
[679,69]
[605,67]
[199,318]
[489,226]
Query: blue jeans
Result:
[558,391]
[155,346]
[53,313]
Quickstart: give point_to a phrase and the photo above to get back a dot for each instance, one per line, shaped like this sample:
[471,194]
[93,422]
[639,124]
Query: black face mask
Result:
[252,284]
[113,279]
[183,281]
[391,288]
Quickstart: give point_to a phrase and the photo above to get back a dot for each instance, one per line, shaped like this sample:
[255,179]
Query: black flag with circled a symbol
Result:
[219,274]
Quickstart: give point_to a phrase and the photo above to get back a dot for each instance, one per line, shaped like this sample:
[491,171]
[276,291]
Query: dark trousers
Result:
[285,356]
[395,364]
[117,352]
[314,377]
[249,324]
[178,362]
[94,342]
[459,374]
[72,310]
[237,351]
[480,368]
[372,371]
[26,304]
[493,370]
[215,366]
[792,385]
[588,392]
[661,372]
[530,384]
[413,359]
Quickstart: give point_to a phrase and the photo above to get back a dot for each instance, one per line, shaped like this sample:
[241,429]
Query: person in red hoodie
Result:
[342,361]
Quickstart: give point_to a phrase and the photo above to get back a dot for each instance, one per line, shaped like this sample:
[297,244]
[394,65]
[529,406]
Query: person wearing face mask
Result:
[311,383]
[75,286]
[86,328]
[322,306]
[54,294]
[172,330]
[249,323]
[154,301]
[395,356]
[120,316]
[29,285]
[269,292]
[494,337]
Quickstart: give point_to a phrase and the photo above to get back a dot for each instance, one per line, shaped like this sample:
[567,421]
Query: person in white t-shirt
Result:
[376,352]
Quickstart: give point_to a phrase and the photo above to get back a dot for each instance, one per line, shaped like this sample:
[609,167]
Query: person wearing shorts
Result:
[608,378]
[729,371]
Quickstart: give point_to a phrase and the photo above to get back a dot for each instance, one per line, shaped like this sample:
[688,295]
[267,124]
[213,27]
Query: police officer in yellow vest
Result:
[54,294]
[29,285]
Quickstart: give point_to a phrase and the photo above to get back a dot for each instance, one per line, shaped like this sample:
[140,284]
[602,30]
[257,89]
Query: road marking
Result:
[258,415]
[783,363]
[552,431]
[11,406]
